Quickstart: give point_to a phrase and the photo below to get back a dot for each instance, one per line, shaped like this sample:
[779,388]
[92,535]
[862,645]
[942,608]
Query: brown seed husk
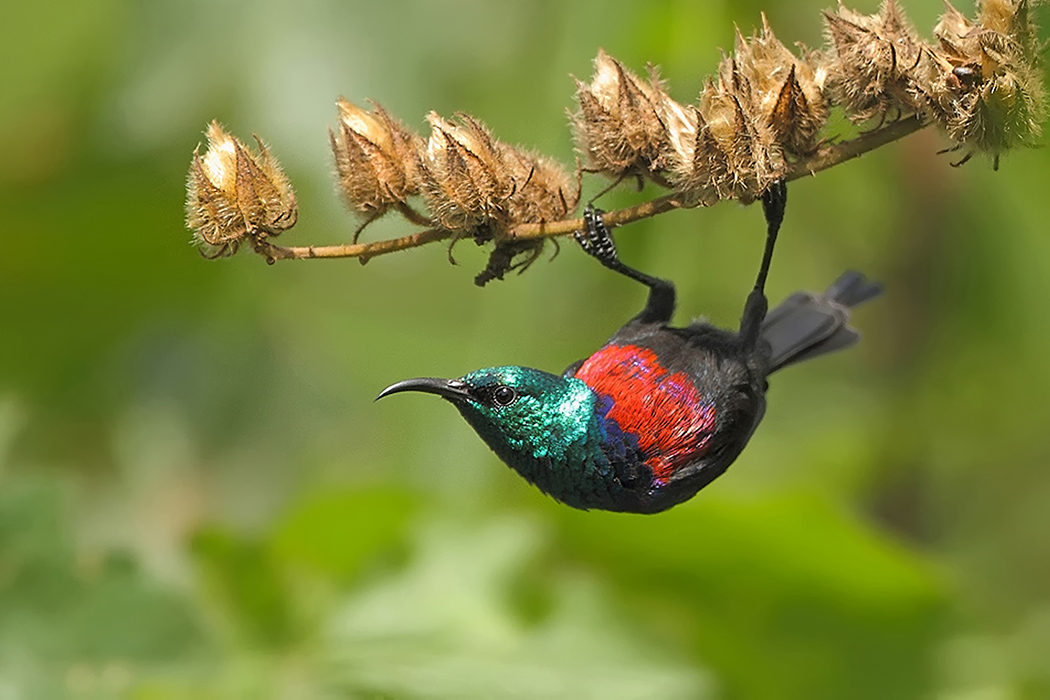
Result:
[873,71]
[375,158]
[618,127]
[987,90]
[234,194]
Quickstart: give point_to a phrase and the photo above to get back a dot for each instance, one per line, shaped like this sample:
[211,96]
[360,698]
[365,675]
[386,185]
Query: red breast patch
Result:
[664,411]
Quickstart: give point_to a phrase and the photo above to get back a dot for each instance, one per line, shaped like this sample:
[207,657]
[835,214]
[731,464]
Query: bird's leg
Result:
[597,242]
[774,200]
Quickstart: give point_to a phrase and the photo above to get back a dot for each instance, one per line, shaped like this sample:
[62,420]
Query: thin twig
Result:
[830,155]
[364,251]
[825,157]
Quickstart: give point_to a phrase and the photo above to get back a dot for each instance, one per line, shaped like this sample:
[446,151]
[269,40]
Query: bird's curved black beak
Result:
[451,389]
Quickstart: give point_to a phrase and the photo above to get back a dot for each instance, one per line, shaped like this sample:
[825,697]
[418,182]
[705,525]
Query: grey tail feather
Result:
[806,325]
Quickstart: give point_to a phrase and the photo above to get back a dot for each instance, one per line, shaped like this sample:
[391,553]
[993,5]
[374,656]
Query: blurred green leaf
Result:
[59,611]
[786,597]
[446,628]
[249,586]
[337,532]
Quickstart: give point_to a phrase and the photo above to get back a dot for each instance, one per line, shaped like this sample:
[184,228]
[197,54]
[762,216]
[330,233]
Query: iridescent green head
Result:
[540,424]
[516,410]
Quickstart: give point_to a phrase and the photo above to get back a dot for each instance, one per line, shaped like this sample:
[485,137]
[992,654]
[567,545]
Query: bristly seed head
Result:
[234,195]
[788,91]
[619,126]
[987,89]
[464,178]
[478,187]
[981,82]
[872,72]
[765,102]
[543,191]
[375,158]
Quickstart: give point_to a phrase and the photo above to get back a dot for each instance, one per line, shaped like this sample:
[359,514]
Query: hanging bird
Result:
[658,412]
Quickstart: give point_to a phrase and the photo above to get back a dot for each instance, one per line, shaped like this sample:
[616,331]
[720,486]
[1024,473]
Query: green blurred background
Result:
[198,498]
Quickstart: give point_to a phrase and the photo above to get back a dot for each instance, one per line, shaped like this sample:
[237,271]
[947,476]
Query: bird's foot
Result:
[774,202]
[596,240]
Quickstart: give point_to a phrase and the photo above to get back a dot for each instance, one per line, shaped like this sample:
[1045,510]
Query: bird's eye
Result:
[503,395]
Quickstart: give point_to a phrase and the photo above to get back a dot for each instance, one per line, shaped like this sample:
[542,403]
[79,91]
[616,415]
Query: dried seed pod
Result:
[464,177]
[618,127]
[764,102]
[1010,18]
[234,195]
[988,92]
[478,185]
[714,158]
[733,115]
[875,66]
[543,191]
[701,170]
[958,35]
[375,158]
[787,91]
[680,122]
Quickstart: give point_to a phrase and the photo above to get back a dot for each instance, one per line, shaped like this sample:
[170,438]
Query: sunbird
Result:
[658,412]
